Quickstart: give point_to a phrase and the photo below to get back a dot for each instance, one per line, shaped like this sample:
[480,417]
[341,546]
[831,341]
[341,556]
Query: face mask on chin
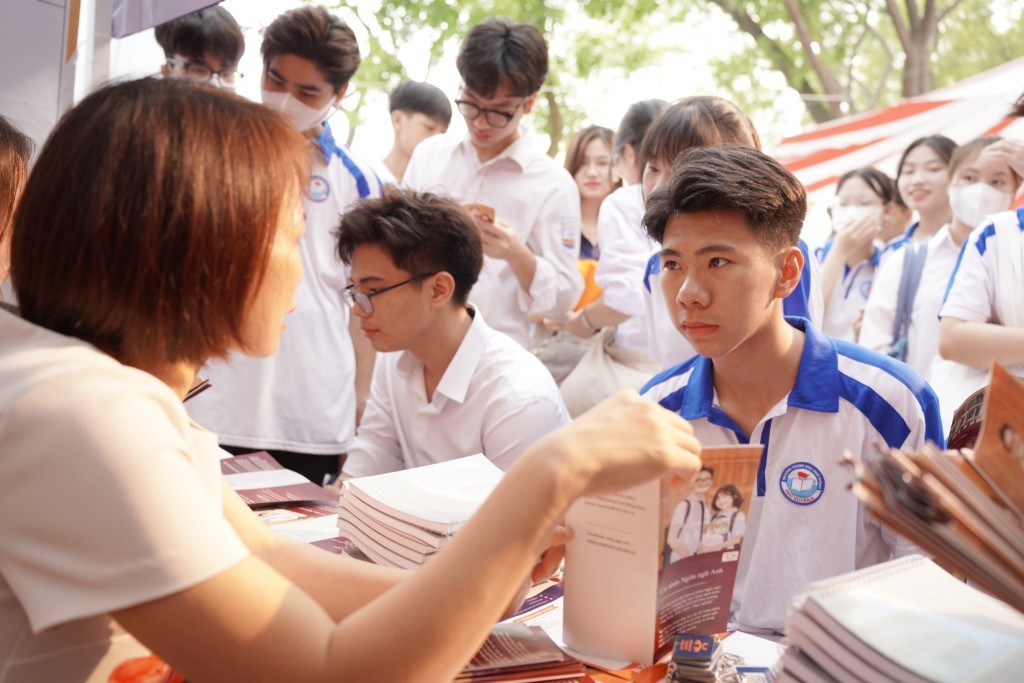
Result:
[303,117]
[971,203]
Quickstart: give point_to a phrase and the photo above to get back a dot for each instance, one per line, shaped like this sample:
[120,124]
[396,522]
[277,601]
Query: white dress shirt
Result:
[535,196]
[494,398]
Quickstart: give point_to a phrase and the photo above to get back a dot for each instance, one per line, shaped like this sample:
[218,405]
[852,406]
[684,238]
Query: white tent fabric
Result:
[132,16]
[963,111]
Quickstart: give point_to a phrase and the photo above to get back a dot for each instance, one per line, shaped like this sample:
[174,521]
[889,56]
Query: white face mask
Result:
[971,203]
[844,216]
[302,116]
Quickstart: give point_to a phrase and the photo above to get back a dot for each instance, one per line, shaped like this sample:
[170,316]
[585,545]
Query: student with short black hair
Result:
[203,46]
[532,243]
[728,220]
[302,403]
[456,387]
[418,111]
[703,121]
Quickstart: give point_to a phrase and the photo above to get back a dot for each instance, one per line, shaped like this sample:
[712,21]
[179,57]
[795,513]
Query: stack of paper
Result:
[966,508]
[516,652]
[401,519]
[906,620]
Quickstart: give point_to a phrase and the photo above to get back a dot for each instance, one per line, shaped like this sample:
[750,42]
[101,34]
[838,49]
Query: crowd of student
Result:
[367,317]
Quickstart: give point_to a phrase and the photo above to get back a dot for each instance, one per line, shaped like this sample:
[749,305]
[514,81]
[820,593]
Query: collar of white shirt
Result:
[454,384]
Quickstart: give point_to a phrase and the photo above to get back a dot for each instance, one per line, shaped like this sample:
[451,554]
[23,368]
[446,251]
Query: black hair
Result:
[737,178]
[635,123]
[701,121]
[498,51]
[421,98]
[210,31]
[422,232]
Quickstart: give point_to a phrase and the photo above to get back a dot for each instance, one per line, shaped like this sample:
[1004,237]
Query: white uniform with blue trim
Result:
[541,202]
[667,345]
[973,295]
[302,398]
[804,524]
[851,292]
[625,248]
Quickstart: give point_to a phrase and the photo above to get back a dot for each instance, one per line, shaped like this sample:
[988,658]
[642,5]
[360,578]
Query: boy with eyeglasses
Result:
[525,206]
[455,386]
[203,46]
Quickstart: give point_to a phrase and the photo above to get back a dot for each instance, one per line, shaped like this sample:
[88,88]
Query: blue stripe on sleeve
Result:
[883,417]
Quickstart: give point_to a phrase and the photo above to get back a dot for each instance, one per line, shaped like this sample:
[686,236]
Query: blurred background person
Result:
[418,111]
[203,46]
[15,153]
[867,216]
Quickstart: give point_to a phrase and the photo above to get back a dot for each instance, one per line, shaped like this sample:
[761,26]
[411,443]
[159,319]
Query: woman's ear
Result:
[790,269]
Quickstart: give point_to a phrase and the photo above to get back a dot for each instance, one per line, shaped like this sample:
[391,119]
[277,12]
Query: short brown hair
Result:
[736,178]
[207,31]
[146,224]
[702,121]
[497,51]
[315,34]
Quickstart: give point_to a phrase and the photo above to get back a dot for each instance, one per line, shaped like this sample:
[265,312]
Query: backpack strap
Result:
[915,255]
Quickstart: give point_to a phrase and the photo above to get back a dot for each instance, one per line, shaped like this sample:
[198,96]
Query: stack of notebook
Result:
[906,620]
[401,519]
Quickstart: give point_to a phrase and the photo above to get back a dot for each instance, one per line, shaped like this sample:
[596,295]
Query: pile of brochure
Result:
[906,620]
[517,652]
[964,507]
[401,519]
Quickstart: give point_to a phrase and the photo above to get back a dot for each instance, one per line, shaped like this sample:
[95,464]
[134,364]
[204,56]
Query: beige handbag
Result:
[603,370]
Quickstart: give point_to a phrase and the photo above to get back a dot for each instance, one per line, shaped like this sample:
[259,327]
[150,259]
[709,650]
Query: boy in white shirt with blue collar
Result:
[530,227]
[454,386]
[728,221]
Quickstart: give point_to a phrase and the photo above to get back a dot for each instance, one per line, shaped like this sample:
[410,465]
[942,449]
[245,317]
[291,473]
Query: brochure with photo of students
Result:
[679,549]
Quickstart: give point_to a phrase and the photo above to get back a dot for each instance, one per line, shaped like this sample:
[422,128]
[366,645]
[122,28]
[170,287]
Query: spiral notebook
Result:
[905,620]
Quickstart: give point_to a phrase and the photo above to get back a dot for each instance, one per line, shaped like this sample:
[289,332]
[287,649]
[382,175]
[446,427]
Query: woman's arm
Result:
[980,344]
[251,623]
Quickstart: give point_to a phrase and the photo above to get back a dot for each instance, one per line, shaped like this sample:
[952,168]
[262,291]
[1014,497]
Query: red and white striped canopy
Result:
[963,111]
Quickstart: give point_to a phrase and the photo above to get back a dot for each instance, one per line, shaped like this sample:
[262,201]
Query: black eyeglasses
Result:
[498,119]
[201,73]
[364,300]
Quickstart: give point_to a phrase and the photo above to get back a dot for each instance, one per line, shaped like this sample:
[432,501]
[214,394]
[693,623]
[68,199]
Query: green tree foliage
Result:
[846,56]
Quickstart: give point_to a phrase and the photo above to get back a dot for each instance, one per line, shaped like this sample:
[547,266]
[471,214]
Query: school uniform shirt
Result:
[880,312]
[537,198]
[667,345]
[973,295]
[625,248]
[302,398]
[803,523]
[384,173]
[850,295]
[494,398]
[692,515]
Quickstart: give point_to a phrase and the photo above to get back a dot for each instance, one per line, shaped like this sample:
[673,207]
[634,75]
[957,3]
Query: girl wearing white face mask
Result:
[982,317]
[921,261]
[324,363]
[867,216]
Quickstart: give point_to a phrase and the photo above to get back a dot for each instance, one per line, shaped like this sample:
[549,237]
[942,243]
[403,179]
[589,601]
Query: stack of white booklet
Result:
[400,519]
[905,620]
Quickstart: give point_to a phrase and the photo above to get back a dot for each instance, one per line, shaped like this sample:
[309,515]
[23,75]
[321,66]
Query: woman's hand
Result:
[622,442]
[855,240]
